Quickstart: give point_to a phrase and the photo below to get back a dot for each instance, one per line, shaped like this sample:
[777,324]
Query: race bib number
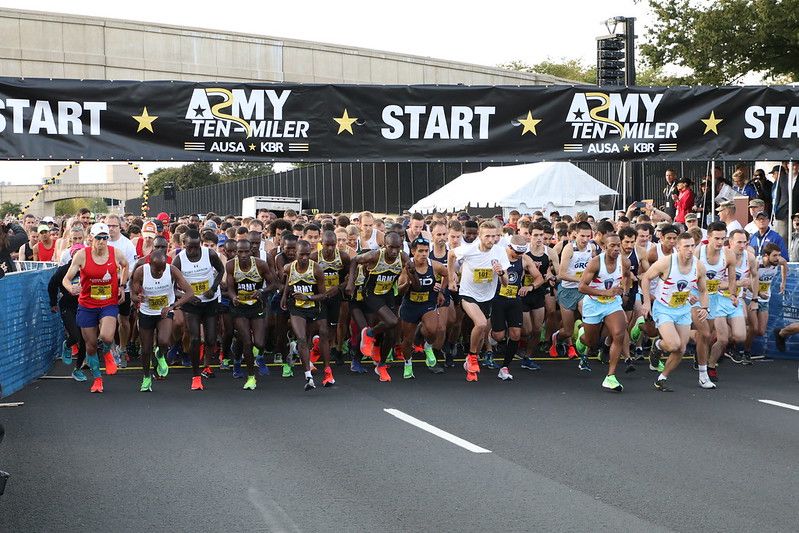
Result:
[678,299]
[359,295]
[578,274]
[419,297]
[726,293]
[156,303]
[605,299]
[483,275]
[246,297]
[509,291]
[304,304]
[527,281]
[331,280]
[200,287]
[764,287]
[382,287]
[713,286]
[100,292]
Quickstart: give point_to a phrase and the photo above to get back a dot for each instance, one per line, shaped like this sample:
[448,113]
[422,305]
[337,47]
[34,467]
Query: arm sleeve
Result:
[54,285]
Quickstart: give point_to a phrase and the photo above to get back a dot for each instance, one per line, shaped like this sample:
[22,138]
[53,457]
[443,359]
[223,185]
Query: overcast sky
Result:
[486,33]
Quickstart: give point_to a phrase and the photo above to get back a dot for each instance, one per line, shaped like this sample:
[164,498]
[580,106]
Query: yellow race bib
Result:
[713,286]
[483,275]
[331,280]
[764,287]
[578,274]
[726,293]
[527,281]
[382,287]
[156,303]
[419,297]
[509,291]
[304,304]
[605,299]
[678,299]
[246,297]
[100,292]
[200,287]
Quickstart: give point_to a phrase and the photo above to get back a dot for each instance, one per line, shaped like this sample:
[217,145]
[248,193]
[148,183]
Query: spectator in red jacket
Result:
[685,200]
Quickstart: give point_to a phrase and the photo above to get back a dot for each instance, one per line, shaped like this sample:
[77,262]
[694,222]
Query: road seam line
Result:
[780,404]
[421,424]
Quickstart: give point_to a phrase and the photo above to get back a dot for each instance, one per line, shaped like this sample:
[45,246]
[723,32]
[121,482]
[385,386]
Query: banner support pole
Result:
[789,221]
[713,187]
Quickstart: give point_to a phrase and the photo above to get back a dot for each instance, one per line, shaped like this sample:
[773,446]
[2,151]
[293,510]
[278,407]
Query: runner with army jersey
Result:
[335,266]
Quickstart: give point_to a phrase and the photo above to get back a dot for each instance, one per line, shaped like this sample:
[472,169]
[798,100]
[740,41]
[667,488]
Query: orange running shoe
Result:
[328,380]
[382,371]
[110,366]
[471,365]
[202,354]
[97,386]
[197,383]
[75,349]
[471,376]
[553,348]
[376,357]
[398,355]
[367,343]
[315,352]
[571,352]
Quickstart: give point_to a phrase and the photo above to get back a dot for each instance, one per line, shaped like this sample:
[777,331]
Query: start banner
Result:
[220,121]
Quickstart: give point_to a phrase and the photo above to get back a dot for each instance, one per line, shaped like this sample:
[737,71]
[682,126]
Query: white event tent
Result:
[561,187]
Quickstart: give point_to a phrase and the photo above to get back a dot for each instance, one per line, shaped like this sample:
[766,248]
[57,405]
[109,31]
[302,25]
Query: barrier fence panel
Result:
[783,311]
[30,335]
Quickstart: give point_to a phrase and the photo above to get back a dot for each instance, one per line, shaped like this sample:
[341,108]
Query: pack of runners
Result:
[241,295]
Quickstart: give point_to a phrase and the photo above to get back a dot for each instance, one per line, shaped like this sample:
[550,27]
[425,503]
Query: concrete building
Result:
[49,45]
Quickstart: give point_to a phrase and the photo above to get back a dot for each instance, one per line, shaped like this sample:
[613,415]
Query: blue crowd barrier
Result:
[30,335]
[783,310]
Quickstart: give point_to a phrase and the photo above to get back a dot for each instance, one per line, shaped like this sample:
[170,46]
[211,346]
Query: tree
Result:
[575,70]
[720,42]
[186,177]
[160,177]
[71,206]
[10,208]
[238,171]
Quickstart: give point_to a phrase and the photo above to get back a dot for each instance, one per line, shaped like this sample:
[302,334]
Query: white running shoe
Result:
[504,375]
[705,383]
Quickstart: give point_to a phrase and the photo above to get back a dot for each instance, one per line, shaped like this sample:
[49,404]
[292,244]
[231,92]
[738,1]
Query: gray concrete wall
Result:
[37,44]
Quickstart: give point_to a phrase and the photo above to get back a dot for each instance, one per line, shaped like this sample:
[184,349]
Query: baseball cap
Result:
[691,216]
[775,168]
[761,214]
[75,248]
[149,229]
[724,205]
[43,228]
[163,217]
[48,220]
[210,224]
[221,239]
[99,228]
[687,181]
[159,226]
[355,216]
[756,202]
[795,215]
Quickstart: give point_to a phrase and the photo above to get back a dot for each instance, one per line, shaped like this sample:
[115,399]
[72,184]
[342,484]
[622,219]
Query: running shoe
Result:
[706,383]
[328,380]
[436,369]
[488,361]
[583,365]
[260,360]
[338,357]
[638,352]
[612,384]
[696,362]
[356,366]
[635,332]
[309,384]
[78,375]
[146,384]
[571,353]
[288,370]
[449,359]
[123,357]
[197,383]
[407,372]
[736,356]
[162,369]
[185,359]
[315,352]
[630,366]
[779,340]
[172,355]
[238,373]
[277,358]
[116,354]
[382,371]
[553,348]
[367,342]
[225,364]
[110,365]
[208,373]
[430,358]
[470,365]
[747,358]
[66,353]
[471,376]
[660,368]
[604,354]
[250,383]
[579,345]
[504,375]
[713,374]
[528,364]
[97,386]
[662,385]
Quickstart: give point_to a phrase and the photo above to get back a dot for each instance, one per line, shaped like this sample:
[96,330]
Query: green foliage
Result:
[10,208]
[570,69]
[722,41]
[71,206]
[239,171]
[186,177]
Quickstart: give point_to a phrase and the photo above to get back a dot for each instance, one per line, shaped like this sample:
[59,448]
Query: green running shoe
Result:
[407,372]
[578,343]
[430,356]
[250,384]
[611,383]
[146,384]
[661,366]
[635,332]
[288,370]
[163,368]
[576,332]
[390,358]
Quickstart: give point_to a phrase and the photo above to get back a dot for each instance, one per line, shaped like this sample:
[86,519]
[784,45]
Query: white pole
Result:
[624,187]
[713,188]
[788,222]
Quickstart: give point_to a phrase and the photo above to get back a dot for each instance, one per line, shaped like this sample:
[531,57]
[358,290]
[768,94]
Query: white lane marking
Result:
[12,404]
[56,377]
[276,518]
[780,404]
[421,424]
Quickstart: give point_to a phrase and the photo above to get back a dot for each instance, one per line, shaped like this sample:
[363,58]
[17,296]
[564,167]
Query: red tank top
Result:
[45,254]
[99,284]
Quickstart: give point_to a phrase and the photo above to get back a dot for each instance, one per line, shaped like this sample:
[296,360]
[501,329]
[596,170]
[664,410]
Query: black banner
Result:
[183,121]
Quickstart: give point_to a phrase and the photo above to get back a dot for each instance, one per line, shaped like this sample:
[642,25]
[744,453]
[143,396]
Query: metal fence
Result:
[394,187]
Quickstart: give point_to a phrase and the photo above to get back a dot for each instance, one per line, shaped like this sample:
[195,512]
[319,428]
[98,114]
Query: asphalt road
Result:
[564,454]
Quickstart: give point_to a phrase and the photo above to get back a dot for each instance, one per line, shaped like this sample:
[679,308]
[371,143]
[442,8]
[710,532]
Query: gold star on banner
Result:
[345,123]
[145,121]
[626,147]
[529,123]
[711,123]
[252,147]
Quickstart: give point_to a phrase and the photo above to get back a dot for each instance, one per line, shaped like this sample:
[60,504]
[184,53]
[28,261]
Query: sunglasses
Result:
[101,237]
